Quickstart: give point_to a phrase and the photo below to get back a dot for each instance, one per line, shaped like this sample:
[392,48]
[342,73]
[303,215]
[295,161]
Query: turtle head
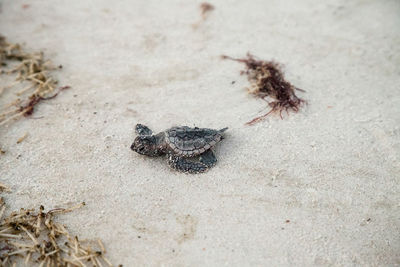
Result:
[146,145]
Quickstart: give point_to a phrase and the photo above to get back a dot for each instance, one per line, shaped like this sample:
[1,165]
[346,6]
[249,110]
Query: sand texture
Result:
[320,187]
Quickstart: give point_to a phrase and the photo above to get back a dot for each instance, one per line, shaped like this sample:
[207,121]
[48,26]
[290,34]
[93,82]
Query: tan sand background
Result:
[333,169]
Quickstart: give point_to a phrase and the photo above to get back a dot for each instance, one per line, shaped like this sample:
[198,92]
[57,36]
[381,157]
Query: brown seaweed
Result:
[267,81]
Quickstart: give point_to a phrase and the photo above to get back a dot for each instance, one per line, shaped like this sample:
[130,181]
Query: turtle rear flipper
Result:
[207,160]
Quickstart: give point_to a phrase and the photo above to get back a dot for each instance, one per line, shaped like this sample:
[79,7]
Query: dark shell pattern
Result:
[189,142]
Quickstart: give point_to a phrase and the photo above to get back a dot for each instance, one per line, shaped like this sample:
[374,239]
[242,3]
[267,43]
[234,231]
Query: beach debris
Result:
[22,138]
[189,150]
[267,82]
[33,81]
[35,238]
[4,188]
[206,9]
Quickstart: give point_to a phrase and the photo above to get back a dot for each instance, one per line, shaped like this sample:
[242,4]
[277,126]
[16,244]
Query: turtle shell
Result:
[189,142]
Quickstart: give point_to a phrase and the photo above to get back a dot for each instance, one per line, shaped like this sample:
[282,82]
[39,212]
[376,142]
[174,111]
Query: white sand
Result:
[333,169]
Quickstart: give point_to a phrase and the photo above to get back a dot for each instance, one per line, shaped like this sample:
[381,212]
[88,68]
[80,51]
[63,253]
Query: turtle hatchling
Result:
[188,149]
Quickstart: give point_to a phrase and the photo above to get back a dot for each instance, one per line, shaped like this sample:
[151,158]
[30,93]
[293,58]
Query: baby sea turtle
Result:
[188,149]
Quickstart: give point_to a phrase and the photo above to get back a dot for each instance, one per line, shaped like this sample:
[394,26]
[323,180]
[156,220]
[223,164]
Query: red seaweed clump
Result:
[267,81]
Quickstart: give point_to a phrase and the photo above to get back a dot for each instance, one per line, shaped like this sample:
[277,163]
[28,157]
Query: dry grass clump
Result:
[267,81]
[33,82]
[34,237]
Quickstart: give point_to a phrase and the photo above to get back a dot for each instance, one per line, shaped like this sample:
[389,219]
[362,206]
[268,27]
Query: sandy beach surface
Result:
[320,187]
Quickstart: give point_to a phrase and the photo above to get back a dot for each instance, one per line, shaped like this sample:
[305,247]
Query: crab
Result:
[188,149]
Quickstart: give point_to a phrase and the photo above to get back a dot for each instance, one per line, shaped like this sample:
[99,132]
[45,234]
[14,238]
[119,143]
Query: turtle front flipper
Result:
[207,160]
[141,129]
